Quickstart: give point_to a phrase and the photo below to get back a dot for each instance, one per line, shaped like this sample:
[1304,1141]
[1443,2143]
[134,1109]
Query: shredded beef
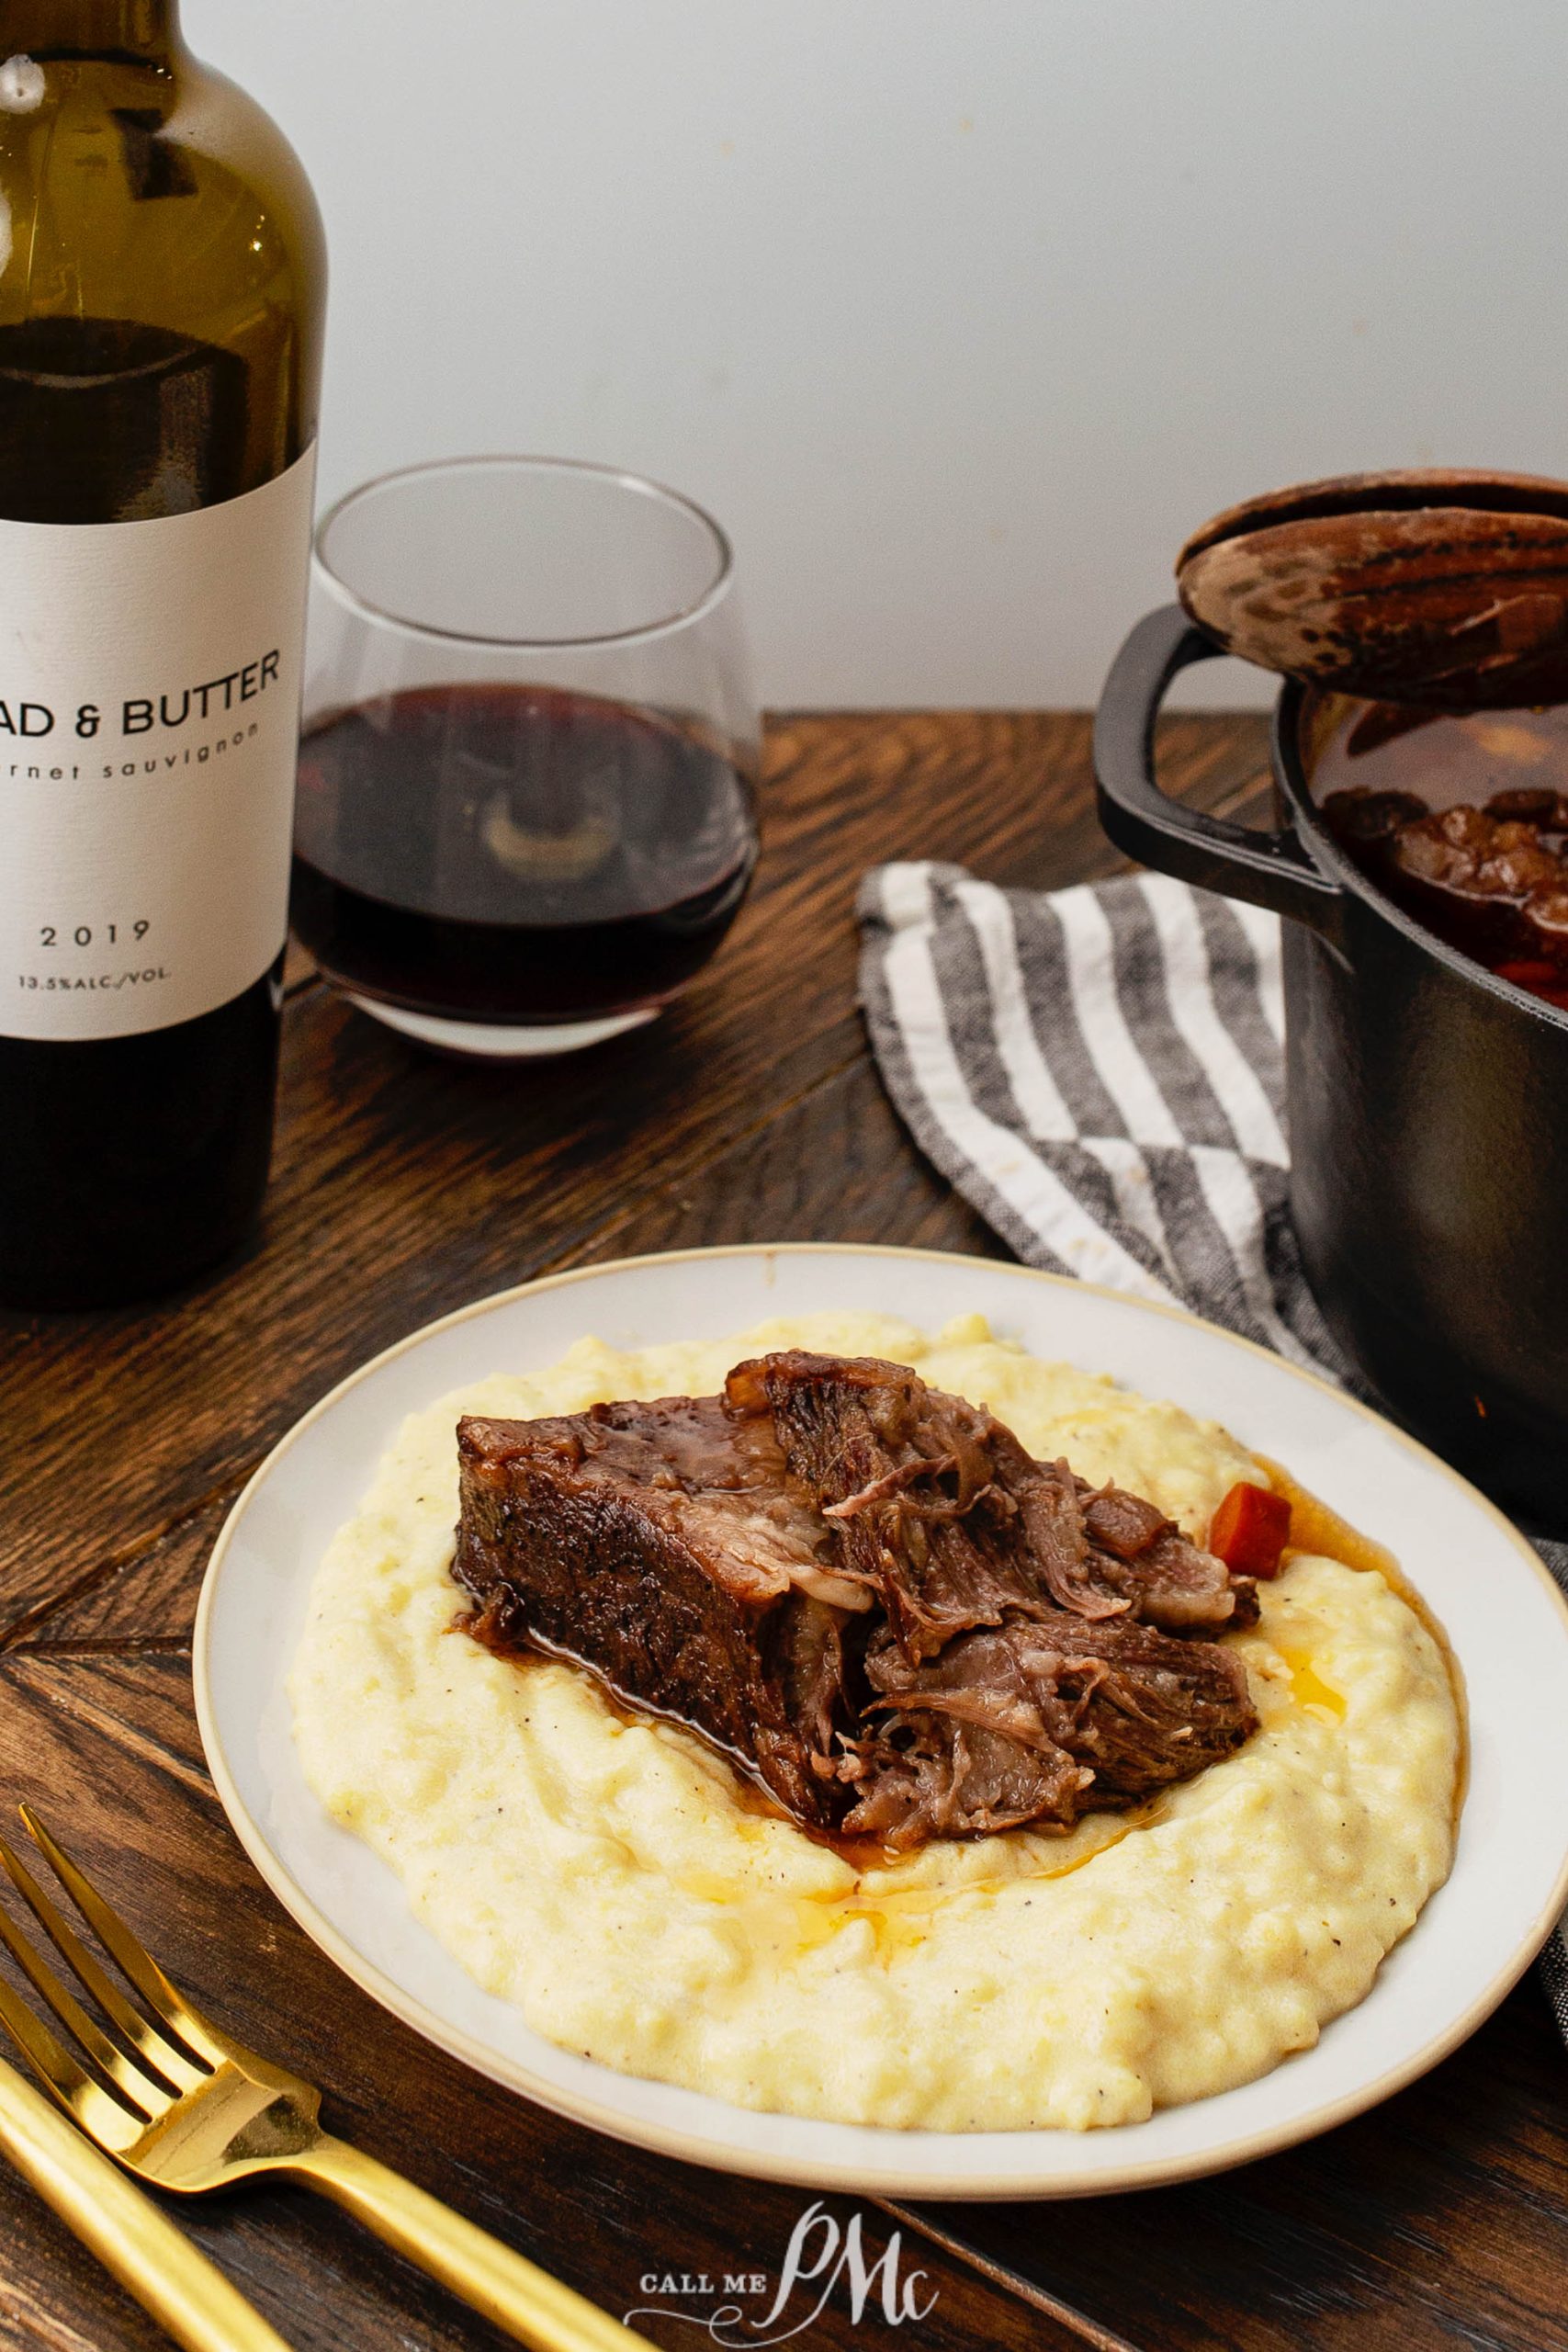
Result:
[907,1478]
[866,1592]
[954,1525]
[1042,1719]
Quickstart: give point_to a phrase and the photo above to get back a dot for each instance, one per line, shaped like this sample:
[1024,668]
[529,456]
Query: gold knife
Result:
[186,2293]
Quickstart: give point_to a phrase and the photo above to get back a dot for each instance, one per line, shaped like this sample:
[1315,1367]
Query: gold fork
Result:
[182,2105]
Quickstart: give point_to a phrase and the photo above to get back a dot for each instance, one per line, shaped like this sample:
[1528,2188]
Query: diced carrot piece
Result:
[1549,981]
[1250,1530]
[1530,972]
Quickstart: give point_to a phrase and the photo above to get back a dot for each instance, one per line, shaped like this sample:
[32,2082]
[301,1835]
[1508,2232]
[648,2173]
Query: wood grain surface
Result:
[404,1186]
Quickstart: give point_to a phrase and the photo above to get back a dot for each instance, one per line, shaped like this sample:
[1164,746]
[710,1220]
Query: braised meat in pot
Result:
[1458,819]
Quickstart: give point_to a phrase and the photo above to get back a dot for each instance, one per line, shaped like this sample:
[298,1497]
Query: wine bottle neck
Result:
[147,30]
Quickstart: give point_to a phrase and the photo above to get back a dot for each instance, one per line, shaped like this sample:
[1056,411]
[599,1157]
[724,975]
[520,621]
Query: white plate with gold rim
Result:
[1507,1622]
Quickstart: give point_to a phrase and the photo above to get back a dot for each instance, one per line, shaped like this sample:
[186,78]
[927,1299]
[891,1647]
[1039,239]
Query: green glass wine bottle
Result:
[162,291]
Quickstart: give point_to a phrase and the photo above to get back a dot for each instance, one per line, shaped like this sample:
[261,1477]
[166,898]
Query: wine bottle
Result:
[161,289]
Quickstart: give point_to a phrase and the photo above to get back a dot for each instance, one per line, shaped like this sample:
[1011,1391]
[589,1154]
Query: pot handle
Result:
[1270,869]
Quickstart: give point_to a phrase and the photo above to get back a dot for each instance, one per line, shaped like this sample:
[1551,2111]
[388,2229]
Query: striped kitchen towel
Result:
[1099,1071]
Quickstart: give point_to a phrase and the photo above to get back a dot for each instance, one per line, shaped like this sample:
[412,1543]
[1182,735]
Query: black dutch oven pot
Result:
[1427,1105]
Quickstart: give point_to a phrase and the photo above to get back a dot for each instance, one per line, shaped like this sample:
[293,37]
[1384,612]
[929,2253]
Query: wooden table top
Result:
[404,1186]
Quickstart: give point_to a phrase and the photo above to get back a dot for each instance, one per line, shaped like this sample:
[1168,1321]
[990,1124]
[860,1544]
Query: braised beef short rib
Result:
[866,1592]
[667,1548]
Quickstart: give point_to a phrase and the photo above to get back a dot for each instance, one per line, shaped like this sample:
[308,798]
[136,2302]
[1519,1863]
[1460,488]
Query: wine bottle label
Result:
[150,684]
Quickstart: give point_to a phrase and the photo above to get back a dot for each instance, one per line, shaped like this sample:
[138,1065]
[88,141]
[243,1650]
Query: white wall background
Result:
[959,313]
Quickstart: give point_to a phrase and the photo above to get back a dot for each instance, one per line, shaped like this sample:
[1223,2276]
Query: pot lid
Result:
[1429,586]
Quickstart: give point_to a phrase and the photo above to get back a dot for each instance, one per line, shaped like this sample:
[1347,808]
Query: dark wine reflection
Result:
[517,853]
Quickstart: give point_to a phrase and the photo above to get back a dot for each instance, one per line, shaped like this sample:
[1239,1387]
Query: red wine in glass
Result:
[512,857]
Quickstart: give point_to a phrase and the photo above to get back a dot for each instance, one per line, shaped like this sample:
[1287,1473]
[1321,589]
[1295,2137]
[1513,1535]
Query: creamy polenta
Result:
[613,1878]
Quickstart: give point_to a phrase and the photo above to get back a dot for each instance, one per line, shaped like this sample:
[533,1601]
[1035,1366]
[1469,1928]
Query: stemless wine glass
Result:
[526,812]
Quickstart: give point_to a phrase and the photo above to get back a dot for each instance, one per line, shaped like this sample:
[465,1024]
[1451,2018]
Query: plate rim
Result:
[845,2177]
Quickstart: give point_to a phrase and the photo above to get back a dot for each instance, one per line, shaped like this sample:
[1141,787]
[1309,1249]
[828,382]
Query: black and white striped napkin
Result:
[1099,1071]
